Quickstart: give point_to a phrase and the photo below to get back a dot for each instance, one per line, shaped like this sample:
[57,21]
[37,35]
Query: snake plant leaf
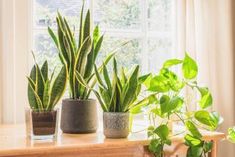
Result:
[123,76]
[83,52]
[58,87]
[53,36]
[133,82]
[86,28]
[92,84]
[70,34]
[104,107]
[98,77]
[46,94]
[189,67]
[96,34]
[98,46]
[40,82]
[61,41]
[92,56]
[105,95]
[106,78]
[91,61]
[31,97]
[37,98]
[112,104]
[81,80]
[80,40]
[44,70]
[69,49]
[33,74]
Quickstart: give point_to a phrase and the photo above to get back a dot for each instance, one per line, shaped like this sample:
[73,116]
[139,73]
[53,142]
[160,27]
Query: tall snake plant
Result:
[44,92]
[78,56]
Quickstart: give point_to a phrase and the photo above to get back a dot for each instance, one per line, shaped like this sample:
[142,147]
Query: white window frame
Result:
[143,33]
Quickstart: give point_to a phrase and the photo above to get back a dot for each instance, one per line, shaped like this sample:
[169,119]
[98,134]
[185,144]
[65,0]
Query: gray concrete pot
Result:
[79,116]
[116,124]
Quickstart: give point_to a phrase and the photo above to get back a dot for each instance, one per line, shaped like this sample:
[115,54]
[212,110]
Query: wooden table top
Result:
[13,141]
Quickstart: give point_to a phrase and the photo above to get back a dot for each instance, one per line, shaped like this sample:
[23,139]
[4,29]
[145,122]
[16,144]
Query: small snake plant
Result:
[120,94]
[44,92]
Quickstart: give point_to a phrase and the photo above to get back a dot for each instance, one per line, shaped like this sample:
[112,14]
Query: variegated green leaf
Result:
[58,87]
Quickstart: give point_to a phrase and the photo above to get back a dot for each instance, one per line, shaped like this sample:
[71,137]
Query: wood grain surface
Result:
[13,142]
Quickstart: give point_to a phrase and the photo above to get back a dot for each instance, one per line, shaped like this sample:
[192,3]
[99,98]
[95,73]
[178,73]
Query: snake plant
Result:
[119,94]
[44,92]
[78,56]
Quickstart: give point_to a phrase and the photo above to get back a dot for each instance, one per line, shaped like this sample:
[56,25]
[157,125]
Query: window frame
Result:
[143,34]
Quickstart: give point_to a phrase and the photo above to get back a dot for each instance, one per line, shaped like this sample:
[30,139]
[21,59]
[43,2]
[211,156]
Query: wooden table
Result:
[13,142]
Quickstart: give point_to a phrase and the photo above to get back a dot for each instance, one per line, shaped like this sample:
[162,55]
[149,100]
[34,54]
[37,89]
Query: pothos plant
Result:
[169,101]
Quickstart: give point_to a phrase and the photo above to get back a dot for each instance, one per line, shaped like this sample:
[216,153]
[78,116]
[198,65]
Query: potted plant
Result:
[44,92]
[79,112]
[170,101]
[117,97]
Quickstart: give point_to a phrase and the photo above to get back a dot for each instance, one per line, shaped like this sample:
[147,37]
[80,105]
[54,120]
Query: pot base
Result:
[78,116]
[116,125]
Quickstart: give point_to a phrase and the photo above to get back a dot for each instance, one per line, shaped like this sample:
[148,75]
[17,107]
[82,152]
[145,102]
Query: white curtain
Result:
[0,62]
[14,49]
[204,29]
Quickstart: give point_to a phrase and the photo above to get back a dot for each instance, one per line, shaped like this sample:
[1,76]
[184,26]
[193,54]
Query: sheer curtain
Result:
[204,29]
[14,49]
[0,62]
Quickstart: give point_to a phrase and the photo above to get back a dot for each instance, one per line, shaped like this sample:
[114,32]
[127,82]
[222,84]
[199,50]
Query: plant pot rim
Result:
[76,100]
[40,111]
[116,112]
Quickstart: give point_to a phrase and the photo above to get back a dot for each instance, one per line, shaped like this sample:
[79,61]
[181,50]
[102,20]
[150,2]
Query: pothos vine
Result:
[167,100]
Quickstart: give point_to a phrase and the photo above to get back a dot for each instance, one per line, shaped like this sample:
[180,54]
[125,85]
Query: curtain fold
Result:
[1,62]
[204,29]
[14,50]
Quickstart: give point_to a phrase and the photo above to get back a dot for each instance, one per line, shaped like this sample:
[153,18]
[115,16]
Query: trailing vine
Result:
[169,101]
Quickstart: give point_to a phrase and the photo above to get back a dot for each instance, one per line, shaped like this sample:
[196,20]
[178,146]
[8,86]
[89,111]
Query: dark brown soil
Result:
[44,123]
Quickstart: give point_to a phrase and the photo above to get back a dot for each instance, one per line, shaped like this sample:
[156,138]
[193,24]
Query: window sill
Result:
[13,142]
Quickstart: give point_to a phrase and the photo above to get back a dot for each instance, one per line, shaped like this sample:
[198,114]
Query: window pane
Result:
[117,14]
[44,49]
[127,55]
[160,49]
[45,11]
[160,15]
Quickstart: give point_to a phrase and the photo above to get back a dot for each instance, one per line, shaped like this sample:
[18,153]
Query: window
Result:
[148,24]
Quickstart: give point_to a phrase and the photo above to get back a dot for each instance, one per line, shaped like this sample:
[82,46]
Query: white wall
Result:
[15,48]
